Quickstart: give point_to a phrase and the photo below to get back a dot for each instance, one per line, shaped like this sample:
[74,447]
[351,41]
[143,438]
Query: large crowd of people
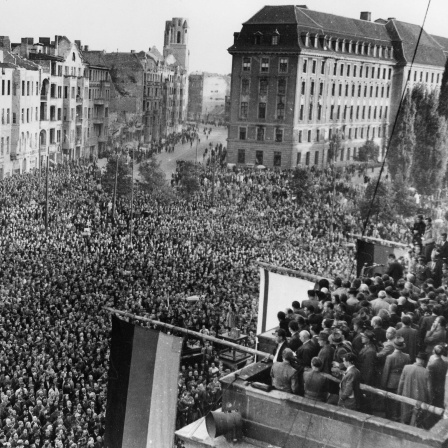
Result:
[54,284]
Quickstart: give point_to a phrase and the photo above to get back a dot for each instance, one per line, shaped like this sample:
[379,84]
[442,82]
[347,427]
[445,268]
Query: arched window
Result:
[178,37]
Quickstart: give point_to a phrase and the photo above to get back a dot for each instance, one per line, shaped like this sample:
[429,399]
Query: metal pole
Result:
[46,195]
[115,190]
[132,195]
[213,179]
[191,333]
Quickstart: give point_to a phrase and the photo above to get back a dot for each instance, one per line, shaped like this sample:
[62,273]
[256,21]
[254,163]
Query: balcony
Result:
[98,120]
[79,98]
[44,97]
[99,100]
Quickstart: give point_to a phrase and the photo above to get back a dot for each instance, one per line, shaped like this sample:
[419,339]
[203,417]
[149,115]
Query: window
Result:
[305,65]
[432,77]
[317,135]
[353,89]
[264,65]
[346,89]
[307,159]
[338,113]
[360,71]
[313,70]
[261,110]
[260,133]
[333,89]
[281,86]
[356,136]
[309,136]
[283,66]
[345,112]
[303,88]
[263,87]
[277,158]
[321,88]
[319,111]
[312,88]
[274,40]
[342,70]
[310,112]
[244,109]
[243,133]
[374,112]
[342,154]
[355,69]
[299,158]
[331,111]
[300,136]
[330,134]
[246,64]
[280,108]
[385,112]
[301,112]
[258,157]
[278,135]
[241,156]
[350,133]
[367,71]
[388,91]
[23,116]
[257,38]
[348,70]
[316,158]
[340,89]
[362,132]
[335,68]
[322,68]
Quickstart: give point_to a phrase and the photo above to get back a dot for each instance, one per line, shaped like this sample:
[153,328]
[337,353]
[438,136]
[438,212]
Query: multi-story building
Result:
[300,77]
[206,93]
[19,109]
[98,102]
[149,89]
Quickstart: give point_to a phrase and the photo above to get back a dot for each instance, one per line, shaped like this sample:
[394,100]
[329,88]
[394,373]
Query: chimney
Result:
[5,43]
[132,51]
[86,48]
[24,47]
[78,43]
[45,41]
[391,18]
[235,37]
[30,41]
[367,16]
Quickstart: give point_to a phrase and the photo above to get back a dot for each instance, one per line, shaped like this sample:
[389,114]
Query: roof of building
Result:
[18,62]
[155,54]
[429,50]
[292,23]
[442,41]
[95,58]
[45,57]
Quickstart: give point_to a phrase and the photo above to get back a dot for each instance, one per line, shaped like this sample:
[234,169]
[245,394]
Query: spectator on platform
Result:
[284,376]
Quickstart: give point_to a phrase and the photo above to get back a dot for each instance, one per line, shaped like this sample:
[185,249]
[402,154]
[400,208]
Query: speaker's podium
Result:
[231,357]
[372,254]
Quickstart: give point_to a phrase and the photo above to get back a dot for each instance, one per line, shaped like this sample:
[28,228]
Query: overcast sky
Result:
[126,25]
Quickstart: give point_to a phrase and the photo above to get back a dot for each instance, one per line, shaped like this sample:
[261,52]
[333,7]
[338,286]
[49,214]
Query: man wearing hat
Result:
[414,383]
[284,376]
[390,377]
[326,352]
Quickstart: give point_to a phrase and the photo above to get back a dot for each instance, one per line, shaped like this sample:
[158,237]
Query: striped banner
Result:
[142,387]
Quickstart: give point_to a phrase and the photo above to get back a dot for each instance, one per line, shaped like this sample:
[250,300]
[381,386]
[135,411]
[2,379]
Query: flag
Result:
[142,387]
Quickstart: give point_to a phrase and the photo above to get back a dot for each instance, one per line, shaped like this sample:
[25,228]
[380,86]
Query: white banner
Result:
[277,292]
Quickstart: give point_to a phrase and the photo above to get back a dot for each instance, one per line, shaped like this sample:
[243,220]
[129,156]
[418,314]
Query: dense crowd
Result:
[387,331]
[53,285]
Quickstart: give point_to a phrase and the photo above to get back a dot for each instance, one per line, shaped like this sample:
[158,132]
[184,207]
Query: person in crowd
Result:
[415,383]
[410,336]
[436,334]
[294,341]
[394,268]
[315,384]
[282,344]
[390,378]
[284,376]
[350,393]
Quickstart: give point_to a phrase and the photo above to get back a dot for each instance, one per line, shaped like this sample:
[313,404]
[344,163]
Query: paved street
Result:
[187,152]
